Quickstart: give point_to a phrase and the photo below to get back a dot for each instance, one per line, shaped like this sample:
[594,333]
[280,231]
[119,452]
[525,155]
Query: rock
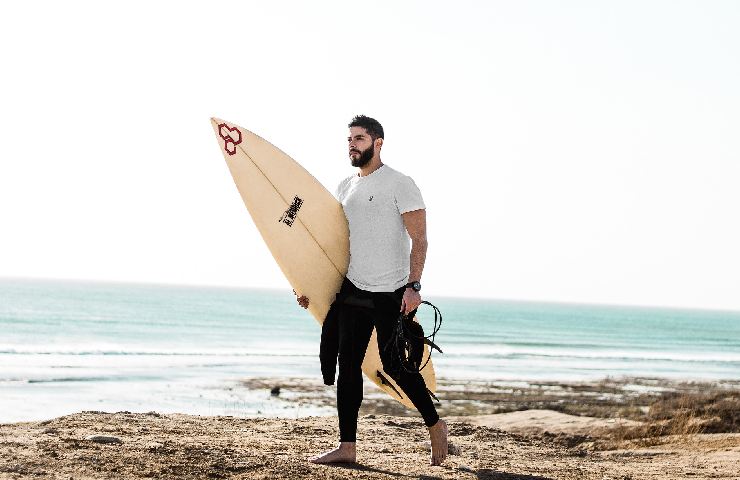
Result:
[103,439]
[154,445]
[275,391]
[452,448]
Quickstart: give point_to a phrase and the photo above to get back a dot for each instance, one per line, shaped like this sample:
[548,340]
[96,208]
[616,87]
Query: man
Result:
[383,208]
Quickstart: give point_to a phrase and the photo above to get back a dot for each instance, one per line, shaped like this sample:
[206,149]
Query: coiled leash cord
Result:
[407,342]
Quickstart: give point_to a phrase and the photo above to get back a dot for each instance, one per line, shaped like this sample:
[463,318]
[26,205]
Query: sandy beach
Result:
[674,430]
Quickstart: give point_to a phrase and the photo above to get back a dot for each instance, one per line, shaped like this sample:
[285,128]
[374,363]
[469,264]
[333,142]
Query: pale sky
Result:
[567,151]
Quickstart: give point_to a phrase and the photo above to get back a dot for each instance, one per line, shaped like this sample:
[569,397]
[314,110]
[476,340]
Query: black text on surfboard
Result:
[289,216]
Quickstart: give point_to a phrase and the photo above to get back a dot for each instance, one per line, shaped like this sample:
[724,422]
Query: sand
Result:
[594,430]
[182,446]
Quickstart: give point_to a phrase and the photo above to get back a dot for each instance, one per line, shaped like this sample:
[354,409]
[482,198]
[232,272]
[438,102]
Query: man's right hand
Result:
[302,300]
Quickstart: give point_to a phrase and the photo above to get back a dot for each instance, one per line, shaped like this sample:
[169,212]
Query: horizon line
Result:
[461,297]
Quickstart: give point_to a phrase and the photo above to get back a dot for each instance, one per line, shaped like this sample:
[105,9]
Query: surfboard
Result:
[304,228]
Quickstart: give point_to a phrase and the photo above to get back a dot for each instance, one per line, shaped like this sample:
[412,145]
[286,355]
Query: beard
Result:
[365,157]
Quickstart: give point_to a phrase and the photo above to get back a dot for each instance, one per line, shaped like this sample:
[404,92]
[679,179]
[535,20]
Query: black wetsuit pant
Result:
[355,328]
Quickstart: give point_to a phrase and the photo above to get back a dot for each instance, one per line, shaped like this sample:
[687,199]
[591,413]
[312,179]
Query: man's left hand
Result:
[411,300]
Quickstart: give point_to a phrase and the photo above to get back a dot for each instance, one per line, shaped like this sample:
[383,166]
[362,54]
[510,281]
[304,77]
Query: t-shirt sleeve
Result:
[339,191]
[408,196]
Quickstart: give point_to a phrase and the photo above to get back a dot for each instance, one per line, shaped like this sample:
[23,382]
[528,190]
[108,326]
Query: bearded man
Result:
[384,210]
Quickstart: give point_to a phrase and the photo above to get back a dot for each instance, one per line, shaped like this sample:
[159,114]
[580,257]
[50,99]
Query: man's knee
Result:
[349,372]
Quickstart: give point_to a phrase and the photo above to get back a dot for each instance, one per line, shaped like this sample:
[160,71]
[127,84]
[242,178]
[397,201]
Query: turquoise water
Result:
[67,346]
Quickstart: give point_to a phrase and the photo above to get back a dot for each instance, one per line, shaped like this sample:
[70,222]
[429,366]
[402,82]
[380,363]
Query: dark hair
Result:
[371,126]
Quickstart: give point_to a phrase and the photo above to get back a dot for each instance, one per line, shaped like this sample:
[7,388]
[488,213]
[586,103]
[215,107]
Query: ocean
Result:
[72,346]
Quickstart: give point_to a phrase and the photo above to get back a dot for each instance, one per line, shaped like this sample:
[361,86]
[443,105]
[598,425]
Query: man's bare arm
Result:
[416,225]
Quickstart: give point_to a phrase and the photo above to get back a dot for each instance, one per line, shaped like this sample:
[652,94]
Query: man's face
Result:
[361,147]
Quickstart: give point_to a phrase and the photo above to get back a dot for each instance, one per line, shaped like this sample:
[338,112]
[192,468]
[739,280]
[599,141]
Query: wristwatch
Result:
[415,286]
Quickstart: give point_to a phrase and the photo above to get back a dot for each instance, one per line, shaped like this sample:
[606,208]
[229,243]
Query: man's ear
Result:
[379,142]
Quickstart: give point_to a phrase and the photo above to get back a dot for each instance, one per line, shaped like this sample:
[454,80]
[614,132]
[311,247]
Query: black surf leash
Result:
[408,339]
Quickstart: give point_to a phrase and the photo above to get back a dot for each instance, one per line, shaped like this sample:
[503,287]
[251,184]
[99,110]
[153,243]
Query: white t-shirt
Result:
[379,245]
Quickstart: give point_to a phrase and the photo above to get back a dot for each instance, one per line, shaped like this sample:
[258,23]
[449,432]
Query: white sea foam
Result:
[508,351]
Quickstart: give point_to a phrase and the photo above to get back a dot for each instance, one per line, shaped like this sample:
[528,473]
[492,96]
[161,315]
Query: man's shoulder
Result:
[342,188]
[398,179]
[343,183]
[392,172]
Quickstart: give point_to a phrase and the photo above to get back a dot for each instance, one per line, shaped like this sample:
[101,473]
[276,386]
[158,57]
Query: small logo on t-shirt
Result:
[289,216]
[371,198]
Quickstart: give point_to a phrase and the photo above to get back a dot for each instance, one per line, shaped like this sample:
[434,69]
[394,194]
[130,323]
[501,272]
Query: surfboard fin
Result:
[384,381]
[433,396]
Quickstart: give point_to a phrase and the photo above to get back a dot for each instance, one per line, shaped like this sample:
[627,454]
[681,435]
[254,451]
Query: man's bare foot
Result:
[438,437]
[344,453]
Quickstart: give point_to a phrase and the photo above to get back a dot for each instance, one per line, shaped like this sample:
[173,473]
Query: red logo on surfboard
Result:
[231,137]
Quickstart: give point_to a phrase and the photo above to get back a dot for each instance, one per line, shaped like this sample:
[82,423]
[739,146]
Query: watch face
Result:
[416,286]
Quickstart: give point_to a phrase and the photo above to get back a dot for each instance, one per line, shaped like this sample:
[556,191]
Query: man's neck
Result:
[370,167]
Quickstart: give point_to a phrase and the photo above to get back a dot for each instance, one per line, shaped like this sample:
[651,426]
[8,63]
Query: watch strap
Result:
[415,286]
